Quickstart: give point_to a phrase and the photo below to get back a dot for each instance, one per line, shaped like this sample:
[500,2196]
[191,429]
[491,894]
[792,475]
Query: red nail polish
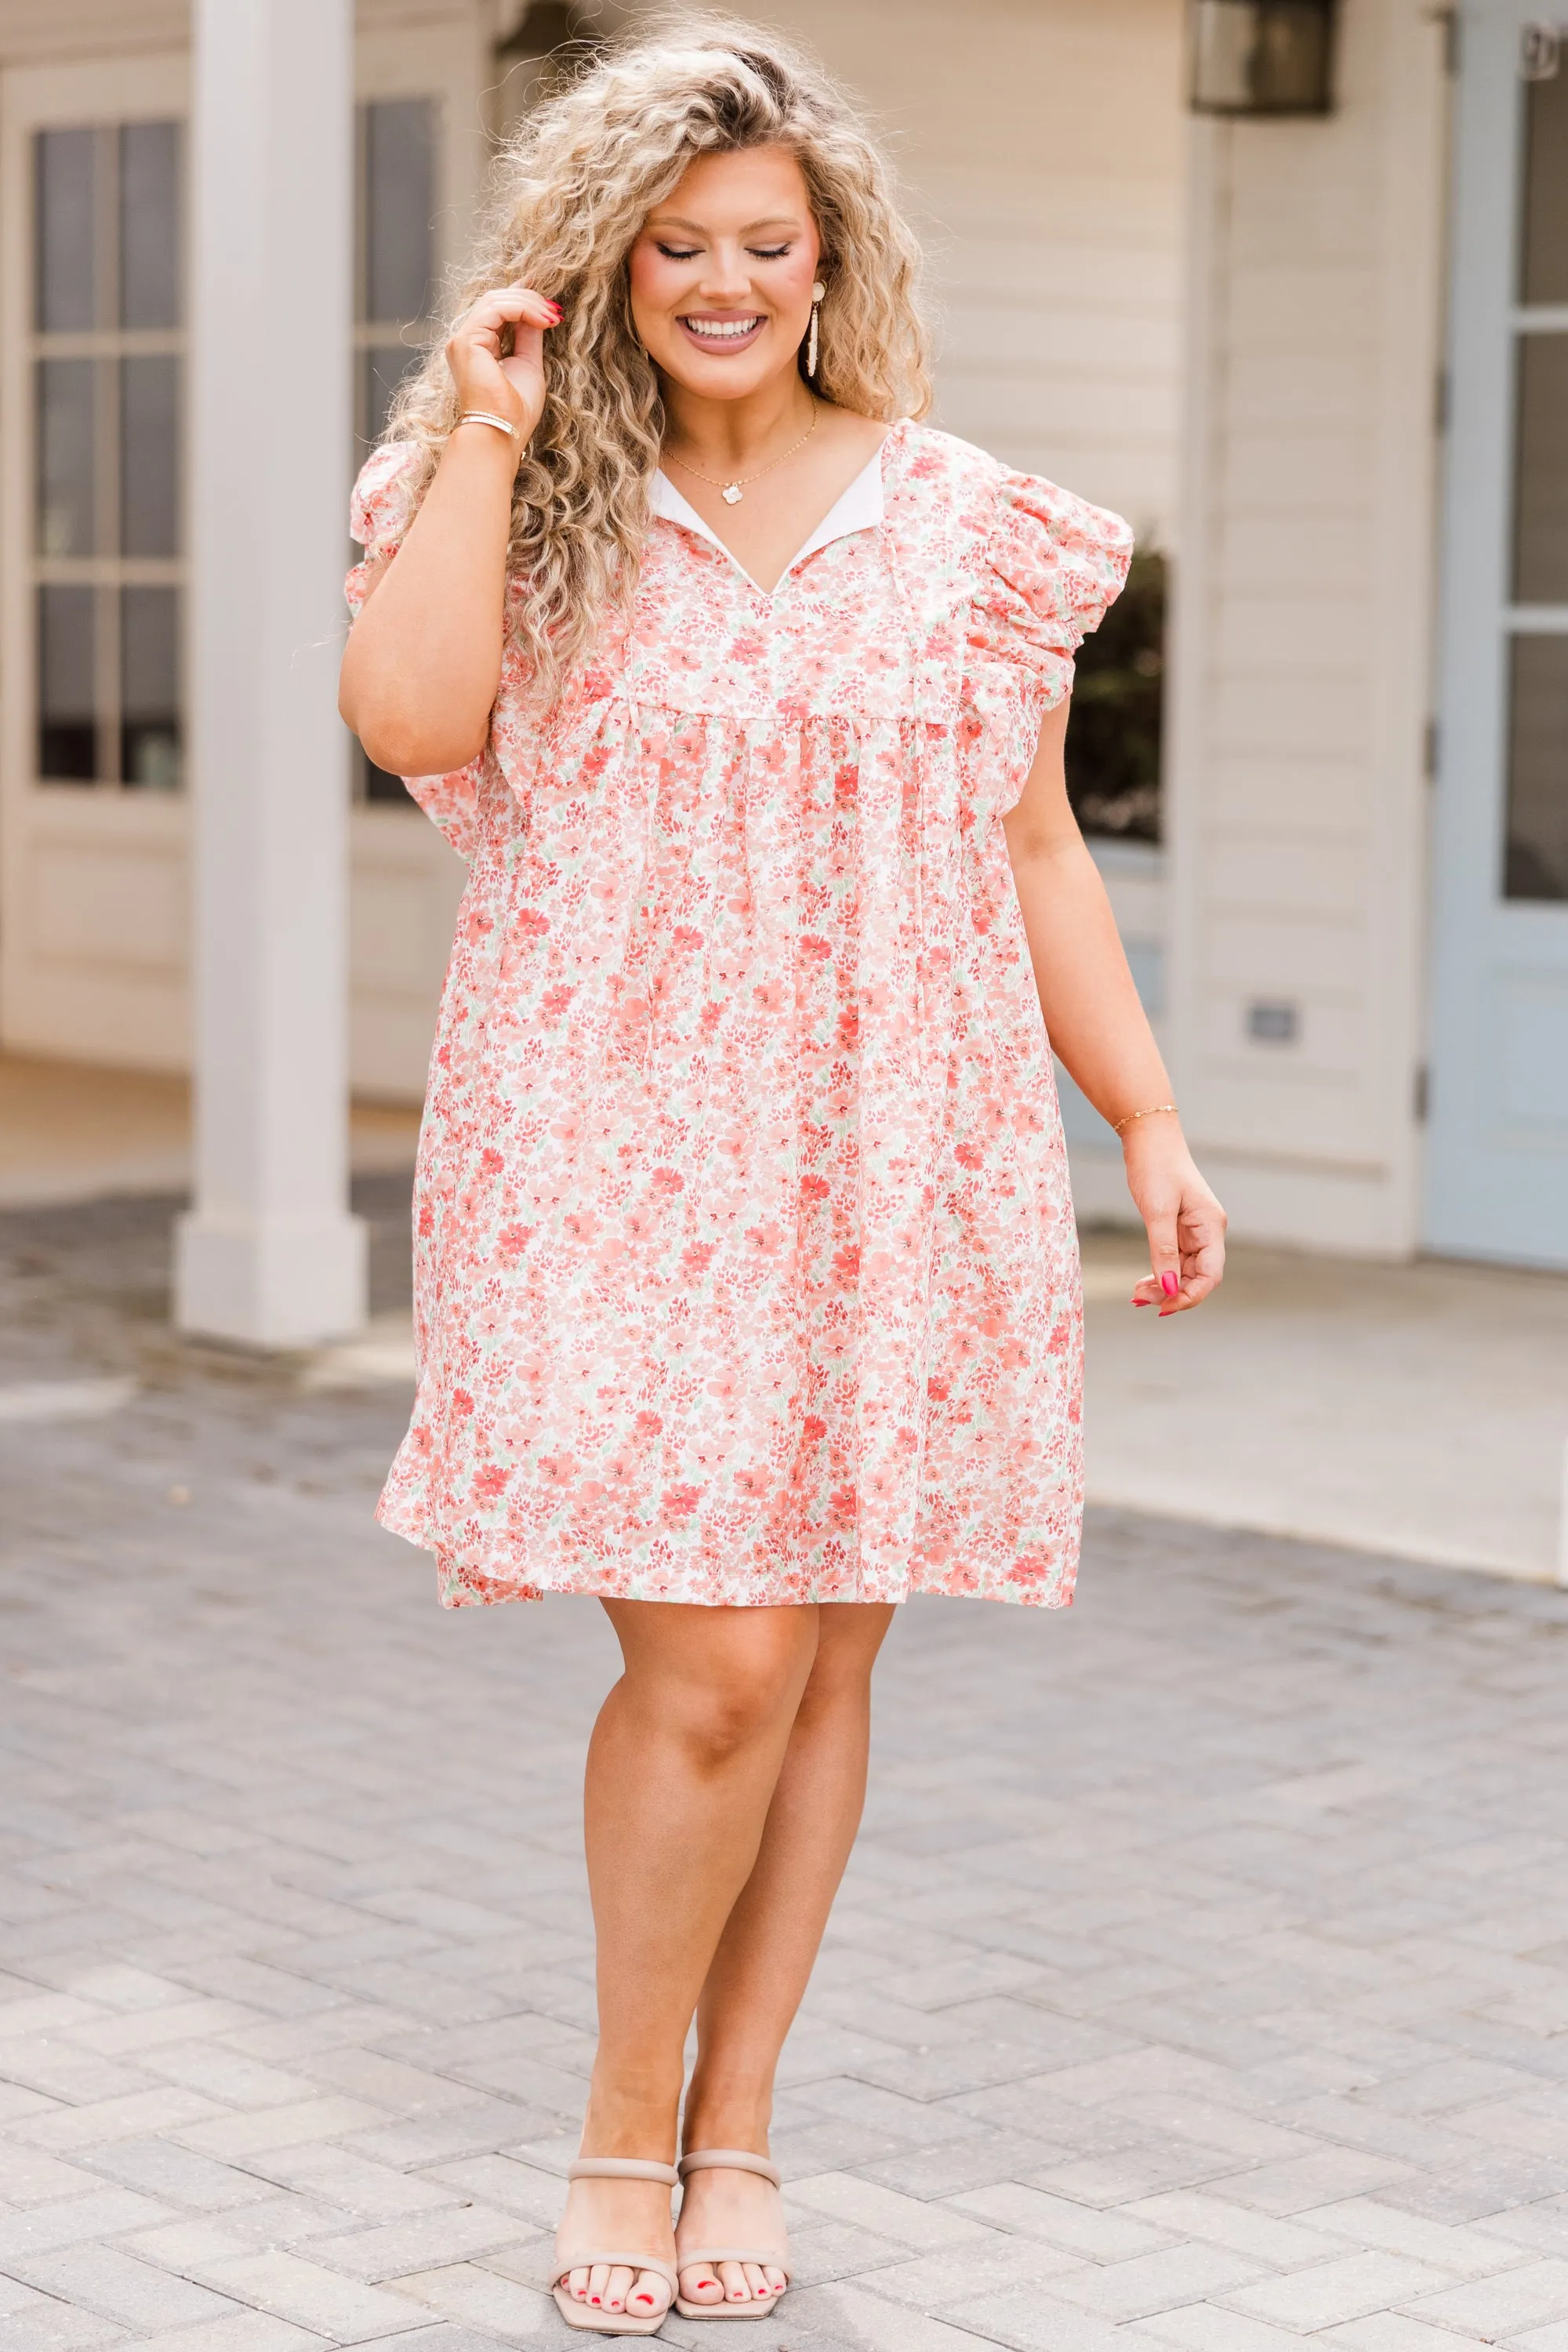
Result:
[1169,1284]
[1143,1302]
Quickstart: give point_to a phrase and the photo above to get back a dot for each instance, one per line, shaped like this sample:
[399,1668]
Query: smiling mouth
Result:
[725,334]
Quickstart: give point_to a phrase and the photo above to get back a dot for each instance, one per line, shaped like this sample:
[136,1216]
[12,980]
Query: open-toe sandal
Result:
[593,2318]
[776,2257]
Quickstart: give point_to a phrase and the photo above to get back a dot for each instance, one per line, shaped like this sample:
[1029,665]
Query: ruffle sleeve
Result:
[1052,568]
[380,512]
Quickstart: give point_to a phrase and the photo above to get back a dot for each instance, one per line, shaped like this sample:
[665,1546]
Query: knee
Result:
[840,1677]
[744,1697]
[837,1688]
[716,1728]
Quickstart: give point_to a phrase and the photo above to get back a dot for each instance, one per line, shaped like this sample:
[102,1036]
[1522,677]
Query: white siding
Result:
[42,31]
[1304,617]
[94,886]
[1040,146]
[36,31]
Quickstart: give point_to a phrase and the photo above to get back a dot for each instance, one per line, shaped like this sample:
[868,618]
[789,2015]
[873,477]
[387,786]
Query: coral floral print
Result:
[746,1269]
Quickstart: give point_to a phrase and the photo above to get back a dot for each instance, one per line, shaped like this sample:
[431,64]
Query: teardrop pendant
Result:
[731,494]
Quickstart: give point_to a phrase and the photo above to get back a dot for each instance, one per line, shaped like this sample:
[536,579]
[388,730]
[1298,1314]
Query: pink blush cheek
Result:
[655,285]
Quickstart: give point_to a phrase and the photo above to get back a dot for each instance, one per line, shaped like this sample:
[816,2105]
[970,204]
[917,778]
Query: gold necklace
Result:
[730,492]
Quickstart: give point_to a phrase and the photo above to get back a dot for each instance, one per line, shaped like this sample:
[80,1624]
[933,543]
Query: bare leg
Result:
[770,1942]
[681,1770]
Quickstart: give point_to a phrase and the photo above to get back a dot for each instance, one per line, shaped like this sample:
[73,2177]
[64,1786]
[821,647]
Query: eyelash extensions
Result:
[757,252]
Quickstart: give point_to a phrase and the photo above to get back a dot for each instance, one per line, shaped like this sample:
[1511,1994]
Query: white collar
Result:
[859,508]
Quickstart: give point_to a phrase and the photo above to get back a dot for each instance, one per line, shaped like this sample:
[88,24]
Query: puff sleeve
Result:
[1052,568]
[380,512]
[381,509]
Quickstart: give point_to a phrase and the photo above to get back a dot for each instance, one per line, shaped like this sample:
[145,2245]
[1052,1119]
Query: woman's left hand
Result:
[1185,1223]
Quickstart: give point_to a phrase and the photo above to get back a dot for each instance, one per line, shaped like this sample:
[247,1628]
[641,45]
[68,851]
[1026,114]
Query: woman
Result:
[748,1290]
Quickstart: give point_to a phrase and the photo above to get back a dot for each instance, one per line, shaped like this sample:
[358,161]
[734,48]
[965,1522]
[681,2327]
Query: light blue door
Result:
[1497,1145]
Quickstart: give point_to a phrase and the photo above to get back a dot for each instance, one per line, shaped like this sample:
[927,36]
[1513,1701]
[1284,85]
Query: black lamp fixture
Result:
[545,27]
[1262,58]
[549,40]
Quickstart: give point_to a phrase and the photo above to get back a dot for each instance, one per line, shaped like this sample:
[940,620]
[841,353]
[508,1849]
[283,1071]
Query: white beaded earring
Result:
[817,291]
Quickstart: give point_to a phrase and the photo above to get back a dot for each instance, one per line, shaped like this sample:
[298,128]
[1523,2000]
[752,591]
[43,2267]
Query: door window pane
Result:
[67,732]
[1540,472]
[1544,258]
[65,201]
[150,225]
[67,439]
[1537,858]
[149,687]
[149,455]
[398,208]
[107,459]
[383,367]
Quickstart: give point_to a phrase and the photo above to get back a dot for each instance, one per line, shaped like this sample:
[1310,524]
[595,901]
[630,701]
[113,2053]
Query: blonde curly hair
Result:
[574,187]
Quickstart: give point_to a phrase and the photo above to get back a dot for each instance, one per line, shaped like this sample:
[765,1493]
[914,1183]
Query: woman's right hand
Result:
[514,388]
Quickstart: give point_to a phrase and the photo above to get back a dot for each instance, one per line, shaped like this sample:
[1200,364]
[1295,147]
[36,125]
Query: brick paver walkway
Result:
[1200,1981]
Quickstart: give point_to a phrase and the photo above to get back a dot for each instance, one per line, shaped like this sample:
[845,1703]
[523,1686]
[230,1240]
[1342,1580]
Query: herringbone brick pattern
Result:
[1199,1982]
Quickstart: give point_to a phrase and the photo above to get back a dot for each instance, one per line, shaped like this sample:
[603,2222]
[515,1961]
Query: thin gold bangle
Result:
[1153,1112]
[483,416]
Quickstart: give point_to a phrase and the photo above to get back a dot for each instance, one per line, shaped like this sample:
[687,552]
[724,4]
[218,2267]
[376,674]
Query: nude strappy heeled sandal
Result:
[732,2159]
[592,2316]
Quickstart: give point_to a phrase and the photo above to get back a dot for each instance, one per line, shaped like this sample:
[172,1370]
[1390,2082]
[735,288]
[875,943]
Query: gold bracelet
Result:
[1153,1112]
[483,416]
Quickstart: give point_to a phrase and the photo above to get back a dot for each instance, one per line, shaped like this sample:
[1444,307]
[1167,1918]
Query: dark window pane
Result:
[380,787]
[68,732]
[1540,472]
[150,225]
[149,687]
[66,445]
[150,456]
[1113,746]
[1538,770]
[382,369]
[398,200]
[1544,256]
[64,164]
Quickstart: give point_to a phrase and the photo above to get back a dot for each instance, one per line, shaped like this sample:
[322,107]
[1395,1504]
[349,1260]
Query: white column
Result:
[269,1254]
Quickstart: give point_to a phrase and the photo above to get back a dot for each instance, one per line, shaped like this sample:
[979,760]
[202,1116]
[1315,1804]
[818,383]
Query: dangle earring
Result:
[817,291]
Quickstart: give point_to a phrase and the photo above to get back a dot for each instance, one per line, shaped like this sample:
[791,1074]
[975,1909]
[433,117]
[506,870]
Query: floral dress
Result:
[745,1263]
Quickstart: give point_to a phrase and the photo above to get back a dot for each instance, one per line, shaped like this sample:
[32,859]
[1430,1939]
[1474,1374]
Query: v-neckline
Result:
[859,506]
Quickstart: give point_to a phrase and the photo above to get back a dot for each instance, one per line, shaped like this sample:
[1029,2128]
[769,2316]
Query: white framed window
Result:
[396,161]
[419,153]
[93,819]
[105,347]
[397,157]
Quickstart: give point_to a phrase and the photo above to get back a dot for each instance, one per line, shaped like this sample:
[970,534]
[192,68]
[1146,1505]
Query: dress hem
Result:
[462,1586]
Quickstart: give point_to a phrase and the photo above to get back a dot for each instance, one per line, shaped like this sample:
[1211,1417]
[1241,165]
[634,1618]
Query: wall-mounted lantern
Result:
[1263,57]
[539,29]
[547,38]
